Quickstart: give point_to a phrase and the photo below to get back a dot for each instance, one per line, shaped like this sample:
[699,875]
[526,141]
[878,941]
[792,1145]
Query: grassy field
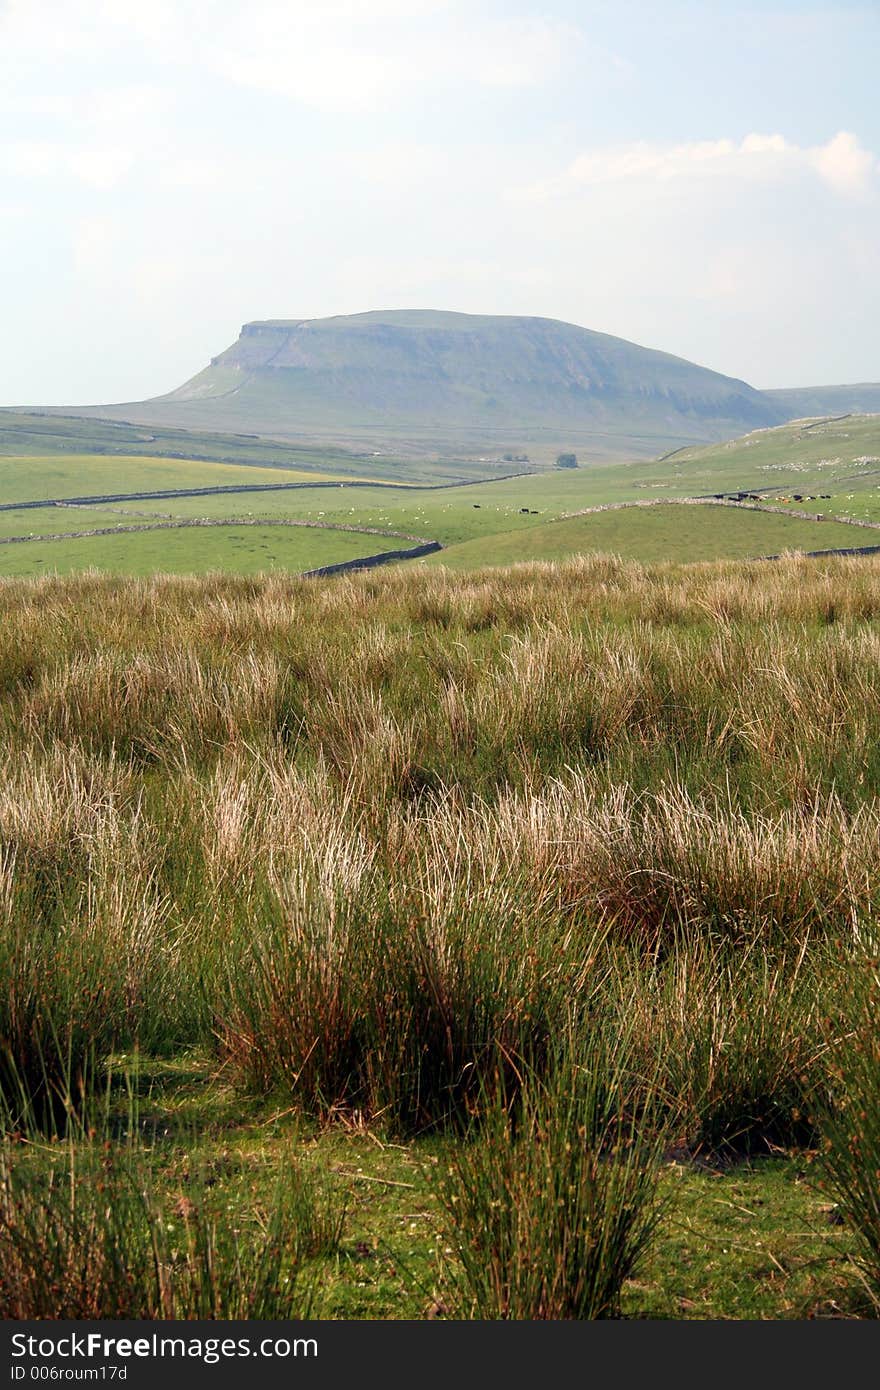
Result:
[50,521]
[433,944]
[447,514]
[653,534]
[33,478]
[235,549]
[485,522]
[839,457]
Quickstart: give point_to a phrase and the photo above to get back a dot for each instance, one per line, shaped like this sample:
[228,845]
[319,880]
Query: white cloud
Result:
[330,79]
[198,171]
[510,53]
[98,167]
[96,138]
[399,164]
[95,240]
[356,57]
[28,159]
[333,55]
[132,105]
[842,163]
[764,144]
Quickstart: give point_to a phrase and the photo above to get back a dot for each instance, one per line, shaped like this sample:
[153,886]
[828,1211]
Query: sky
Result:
[700,176]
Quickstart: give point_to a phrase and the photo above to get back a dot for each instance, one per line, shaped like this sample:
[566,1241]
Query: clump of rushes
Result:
[664,864]
[83,1237]
[850,1125]
[738,1039]
[395,999]
[84,950]
[553,1201]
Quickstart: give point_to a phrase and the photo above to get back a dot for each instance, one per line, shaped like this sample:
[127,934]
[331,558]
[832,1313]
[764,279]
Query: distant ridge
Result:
[860,399]
[428,381]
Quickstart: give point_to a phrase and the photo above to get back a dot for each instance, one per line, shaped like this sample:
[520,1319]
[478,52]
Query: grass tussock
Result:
[850,1123]
[553,1201]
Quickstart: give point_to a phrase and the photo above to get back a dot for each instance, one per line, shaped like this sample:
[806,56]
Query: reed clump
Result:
[849,1158]
[552,1201]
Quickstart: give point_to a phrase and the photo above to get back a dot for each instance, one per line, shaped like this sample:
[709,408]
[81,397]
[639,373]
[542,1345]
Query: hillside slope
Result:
[665,532]
[425,381]
[838,455]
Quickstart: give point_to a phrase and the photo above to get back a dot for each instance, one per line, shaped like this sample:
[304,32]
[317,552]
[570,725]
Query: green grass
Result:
[485,523]
[810,456]
[450,515]
[31,479]
[193,550]
[840,458]
[653,534]
[489,510]
[757,1240]
[48,521]
[552,1200]
[851,1166]
[445,514]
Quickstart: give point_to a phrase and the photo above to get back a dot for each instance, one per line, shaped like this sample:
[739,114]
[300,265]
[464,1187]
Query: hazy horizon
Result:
[701,179]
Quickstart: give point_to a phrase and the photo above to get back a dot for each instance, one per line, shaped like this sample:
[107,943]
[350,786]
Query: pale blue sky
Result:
[698,177]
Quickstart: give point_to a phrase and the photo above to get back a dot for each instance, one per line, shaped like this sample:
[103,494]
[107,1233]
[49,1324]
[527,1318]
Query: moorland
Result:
[421,943]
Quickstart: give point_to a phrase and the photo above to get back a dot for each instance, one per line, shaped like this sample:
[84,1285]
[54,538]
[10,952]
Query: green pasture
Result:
[651,534]
[51,521]
[33,479]
[446,514]
[829,468]
[479,511]
[193,550]
[807,456]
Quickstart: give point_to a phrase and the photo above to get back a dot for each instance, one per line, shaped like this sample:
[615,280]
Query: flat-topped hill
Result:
[425,381]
